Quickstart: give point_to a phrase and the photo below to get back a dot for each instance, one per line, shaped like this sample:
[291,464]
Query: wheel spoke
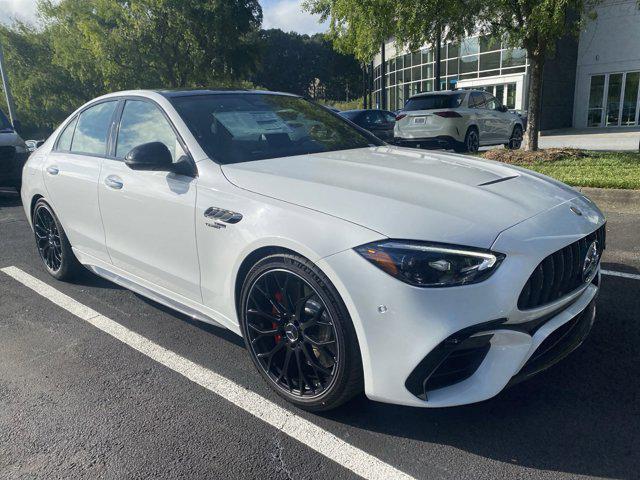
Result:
[315,366]
[318,343]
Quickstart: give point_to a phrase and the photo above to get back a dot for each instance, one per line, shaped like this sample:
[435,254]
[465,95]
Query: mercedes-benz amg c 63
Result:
[347,265]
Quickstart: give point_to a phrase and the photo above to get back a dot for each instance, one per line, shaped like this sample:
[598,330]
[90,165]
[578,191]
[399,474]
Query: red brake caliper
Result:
[279,297]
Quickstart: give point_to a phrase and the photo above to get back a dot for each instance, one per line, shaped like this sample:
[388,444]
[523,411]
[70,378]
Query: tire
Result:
[290,309]
[52,243]
[471,142]
[515,141]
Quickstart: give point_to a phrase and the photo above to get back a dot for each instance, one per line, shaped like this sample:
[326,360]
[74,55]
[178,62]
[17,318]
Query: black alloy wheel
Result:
[472,141]
[53,247]
[515,142]
[297,333]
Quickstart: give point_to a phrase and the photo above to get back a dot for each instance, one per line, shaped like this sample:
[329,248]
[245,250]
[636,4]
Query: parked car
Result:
[378,122]
[463,120]
[13,154]
[344,263]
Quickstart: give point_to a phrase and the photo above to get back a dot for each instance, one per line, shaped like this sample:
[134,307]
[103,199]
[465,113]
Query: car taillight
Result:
[448,114]
[400,117]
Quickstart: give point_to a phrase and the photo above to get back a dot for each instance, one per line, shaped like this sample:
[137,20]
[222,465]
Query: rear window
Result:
[351,115]
[432,102]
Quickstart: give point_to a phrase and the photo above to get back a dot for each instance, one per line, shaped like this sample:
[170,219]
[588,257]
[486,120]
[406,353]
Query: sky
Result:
[284,14]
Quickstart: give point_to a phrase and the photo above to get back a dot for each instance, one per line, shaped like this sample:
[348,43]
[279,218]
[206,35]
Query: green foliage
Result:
[293,63]
[84,49]
[354,104]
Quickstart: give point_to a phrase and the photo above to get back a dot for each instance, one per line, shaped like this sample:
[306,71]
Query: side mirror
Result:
[39,143]
[150,156]
[503,109]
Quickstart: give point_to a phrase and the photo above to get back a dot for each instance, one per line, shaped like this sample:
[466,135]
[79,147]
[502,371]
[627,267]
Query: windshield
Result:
[432,102]
[241,127]
[5,124]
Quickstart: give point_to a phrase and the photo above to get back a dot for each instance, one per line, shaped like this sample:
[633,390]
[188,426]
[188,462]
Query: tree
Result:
[295,63]
[535,25]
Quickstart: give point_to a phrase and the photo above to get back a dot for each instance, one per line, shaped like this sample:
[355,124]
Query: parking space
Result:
[77,402]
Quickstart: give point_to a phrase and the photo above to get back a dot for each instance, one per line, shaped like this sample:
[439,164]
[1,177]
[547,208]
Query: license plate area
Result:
[419,120]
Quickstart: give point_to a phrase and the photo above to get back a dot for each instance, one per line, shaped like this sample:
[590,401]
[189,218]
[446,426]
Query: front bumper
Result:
[414,322]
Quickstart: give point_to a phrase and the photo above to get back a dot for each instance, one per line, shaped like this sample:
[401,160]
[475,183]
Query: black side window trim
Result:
[66,125]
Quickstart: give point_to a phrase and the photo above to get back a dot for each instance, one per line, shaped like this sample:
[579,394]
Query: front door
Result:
[149,216]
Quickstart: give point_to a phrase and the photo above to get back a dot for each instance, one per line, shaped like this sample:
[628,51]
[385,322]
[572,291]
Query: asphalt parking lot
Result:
[75,402]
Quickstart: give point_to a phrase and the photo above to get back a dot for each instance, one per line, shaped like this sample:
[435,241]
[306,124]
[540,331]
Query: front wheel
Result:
[471,142]
[515,141]
[52,243]
[299,333]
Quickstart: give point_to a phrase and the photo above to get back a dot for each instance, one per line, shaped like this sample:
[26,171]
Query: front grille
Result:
[560,273]
[7,152]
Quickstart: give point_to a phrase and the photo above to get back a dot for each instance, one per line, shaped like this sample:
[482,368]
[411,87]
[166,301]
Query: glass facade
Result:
[471,58]
[613,100]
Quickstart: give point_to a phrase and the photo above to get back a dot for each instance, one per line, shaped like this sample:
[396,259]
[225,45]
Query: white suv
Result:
[461,119]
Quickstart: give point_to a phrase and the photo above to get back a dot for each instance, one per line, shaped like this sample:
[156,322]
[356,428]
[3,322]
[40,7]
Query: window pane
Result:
[470,46]
[243,127]
[407,60]
[454,50]
[93,129]
[141,123]
[416,74]
[427,71]
[499,93]
[630,102]
[64,142]
[613,99]
[596,92]
[452,66]
[416,58]
[490,61]
[427,56]
[427,86]
[511,96]
[468,64]
[488,44]
[514,57]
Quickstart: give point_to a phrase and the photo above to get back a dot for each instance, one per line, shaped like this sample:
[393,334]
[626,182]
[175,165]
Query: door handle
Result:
[113,181]
[53,170]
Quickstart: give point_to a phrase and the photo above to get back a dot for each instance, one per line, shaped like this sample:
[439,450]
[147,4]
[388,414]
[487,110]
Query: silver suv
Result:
[13,154]
[460,119]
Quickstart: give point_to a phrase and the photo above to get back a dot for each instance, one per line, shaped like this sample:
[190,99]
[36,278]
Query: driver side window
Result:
[142,122]
[491,102]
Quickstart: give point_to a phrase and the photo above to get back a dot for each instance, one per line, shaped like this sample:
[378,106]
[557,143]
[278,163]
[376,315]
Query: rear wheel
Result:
[299,334]
[52,243]
[471,142]
[515,142]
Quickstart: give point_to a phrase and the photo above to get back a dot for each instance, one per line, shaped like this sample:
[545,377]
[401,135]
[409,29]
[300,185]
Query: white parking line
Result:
[612,273]
[311,435]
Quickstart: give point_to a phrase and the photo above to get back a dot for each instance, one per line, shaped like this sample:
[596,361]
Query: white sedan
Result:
[462,120]
[424,279]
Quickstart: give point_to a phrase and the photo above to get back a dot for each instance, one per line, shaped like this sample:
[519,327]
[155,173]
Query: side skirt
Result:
[154,292]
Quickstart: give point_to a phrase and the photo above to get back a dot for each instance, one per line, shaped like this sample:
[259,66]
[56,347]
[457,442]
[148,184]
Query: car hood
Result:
[405,193]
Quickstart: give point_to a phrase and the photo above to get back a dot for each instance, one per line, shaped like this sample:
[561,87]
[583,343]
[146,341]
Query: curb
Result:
[614,200]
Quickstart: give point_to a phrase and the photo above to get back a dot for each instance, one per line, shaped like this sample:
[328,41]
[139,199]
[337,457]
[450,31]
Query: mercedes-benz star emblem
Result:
[576,210]
[591,260]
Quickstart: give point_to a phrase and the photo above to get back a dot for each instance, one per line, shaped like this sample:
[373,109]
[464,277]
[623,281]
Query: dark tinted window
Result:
[5,124]
[432,102]
[477,100]
[389,117]
[490,102]
[234,128]
[64,142]
[372,117]
[93,128]
[351,114]
[142,122]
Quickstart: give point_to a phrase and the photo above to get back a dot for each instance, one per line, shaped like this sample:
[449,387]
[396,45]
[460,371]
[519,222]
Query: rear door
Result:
[71,175]
[478,102]
[148,216]
[500,123]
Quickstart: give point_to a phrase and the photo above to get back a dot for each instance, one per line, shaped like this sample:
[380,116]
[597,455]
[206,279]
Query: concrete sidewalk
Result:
[592,138]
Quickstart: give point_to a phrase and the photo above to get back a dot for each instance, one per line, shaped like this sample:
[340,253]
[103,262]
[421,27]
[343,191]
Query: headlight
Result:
[431,265]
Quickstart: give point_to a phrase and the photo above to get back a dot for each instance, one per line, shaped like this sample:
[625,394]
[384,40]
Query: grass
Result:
[581,168]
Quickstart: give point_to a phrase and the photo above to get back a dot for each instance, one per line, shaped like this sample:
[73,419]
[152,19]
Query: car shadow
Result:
[582,416]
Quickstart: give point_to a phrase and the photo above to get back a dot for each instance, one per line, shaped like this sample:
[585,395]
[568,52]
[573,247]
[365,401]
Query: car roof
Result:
[173,93]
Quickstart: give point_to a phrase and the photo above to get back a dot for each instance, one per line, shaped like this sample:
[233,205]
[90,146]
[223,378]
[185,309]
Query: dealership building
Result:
[592,81]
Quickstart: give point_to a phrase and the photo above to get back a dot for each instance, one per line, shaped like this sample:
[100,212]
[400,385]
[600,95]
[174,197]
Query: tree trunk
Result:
[536,62]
